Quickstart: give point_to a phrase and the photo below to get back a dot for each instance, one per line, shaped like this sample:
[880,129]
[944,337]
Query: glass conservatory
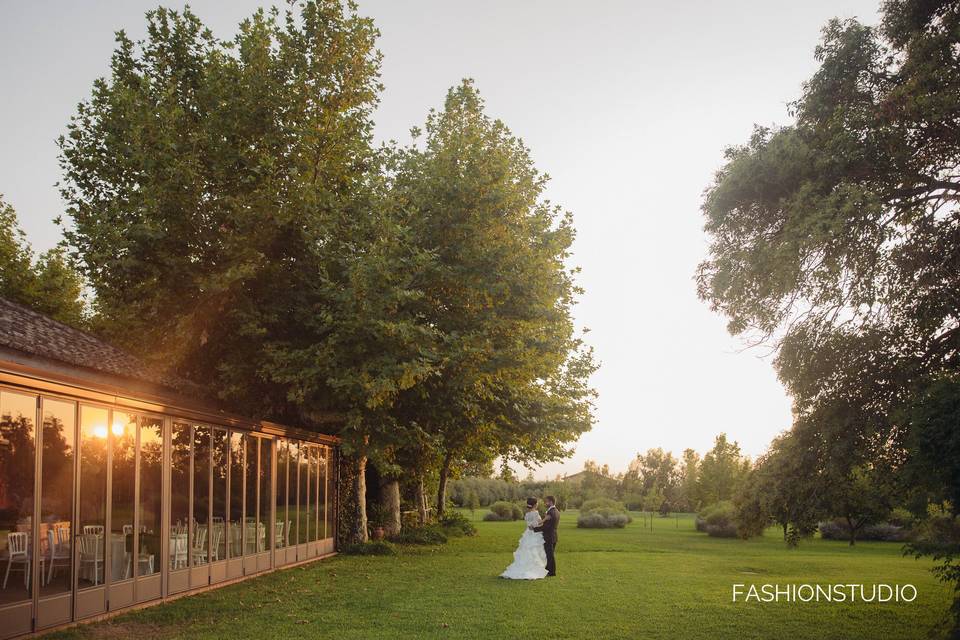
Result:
[110,500]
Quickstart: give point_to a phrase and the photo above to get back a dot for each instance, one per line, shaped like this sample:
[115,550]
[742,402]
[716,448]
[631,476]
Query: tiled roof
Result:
[25,330]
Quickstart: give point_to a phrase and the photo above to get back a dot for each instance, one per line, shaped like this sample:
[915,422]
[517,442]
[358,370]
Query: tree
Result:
[780,489]
[511,376]
[690,480]
[48,284]
[224,199]
[721,471]
[837,236]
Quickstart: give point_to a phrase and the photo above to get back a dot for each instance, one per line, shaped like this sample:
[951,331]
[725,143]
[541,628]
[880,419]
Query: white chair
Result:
[93,530]
[58,546]
[199,545]
[216,537]
[178,551]
[18,553]
[127,529]
[91,553]
[278,533]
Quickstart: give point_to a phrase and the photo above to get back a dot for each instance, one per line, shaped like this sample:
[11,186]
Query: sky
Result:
[627,105]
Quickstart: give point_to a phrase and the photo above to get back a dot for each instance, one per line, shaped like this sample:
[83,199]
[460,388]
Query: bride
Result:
[530,559]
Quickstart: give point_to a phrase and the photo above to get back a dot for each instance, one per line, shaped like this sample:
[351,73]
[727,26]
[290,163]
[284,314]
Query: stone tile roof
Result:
[33,333]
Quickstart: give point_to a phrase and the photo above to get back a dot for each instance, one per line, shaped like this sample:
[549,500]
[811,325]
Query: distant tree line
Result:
[654,481]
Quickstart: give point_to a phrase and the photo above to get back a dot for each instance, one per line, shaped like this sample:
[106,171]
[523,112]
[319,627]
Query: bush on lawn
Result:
[718,520]
[429,534]
[455,524]
[602,519]
[602,513]
[371,548]
[837,529]
[504,511]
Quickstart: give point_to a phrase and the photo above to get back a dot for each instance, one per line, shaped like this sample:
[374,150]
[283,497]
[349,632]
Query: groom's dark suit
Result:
[549,529]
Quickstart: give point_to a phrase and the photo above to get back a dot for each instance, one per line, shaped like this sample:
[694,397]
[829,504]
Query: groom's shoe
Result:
[551,575]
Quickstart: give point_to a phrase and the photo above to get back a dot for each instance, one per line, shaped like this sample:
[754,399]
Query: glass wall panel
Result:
[56,495]
[221,452]
[123,434]
[201,494]
[314,477]
[237,443]
[18,415]
[266,496]
[92,517]
[331,490]
[293,450]
[180,437]
[321,492]
[281,528]
[306,512]
[250,530]
[150,503]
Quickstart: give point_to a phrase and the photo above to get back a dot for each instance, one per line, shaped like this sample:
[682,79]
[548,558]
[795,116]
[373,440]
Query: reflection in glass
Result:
[251,531]
[123,434]
[321,492]
[306,512]
[201,494]
[91,537]
[220,453]
[265,535]
[331,495]
[294,467]
[236,494]
[149,506]
[56,495]
[17,457]
[281,529]
[313,492]
[180,437]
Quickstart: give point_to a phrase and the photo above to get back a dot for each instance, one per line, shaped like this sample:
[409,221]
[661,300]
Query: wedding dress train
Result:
[530,559]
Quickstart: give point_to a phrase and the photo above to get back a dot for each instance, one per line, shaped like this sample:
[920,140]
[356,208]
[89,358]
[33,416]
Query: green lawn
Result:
[627,583]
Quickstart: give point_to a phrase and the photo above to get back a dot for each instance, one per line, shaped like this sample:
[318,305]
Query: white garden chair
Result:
[93,530]
[18,553]
[199,545]
[178,551]
[58,546]
[216,536]
[91,553]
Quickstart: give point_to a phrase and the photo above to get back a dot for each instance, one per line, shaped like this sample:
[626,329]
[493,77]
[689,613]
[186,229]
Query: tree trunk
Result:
[853,531]
[358,510]
[421,500]
[442,489]
[785,525]
[390,501]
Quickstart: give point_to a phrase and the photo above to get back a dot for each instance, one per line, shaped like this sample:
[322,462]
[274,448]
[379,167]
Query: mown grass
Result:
[632,583]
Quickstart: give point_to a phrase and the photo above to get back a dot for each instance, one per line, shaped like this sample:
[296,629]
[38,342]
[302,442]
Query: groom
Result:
[549,528]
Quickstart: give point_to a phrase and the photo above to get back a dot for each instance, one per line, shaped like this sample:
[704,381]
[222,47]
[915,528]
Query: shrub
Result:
[455,524]
[602,519]
[492,517]
[602,513]
[430,534]
[837,529]
[718,520]
[371,548]
[901,517]
[506,510]
[602,503]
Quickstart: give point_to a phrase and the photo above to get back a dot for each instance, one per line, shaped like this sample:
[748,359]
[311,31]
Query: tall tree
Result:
[840,234]
[512,375]
[721,471]
[48,284]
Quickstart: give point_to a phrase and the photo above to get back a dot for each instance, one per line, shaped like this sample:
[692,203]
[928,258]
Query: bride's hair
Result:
[531,502]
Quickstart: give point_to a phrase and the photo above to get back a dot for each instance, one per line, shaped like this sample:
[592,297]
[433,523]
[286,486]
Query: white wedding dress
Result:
[529,560]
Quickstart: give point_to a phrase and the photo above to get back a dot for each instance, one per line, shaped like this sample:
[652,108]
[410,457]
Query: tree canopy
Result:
[838,237]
